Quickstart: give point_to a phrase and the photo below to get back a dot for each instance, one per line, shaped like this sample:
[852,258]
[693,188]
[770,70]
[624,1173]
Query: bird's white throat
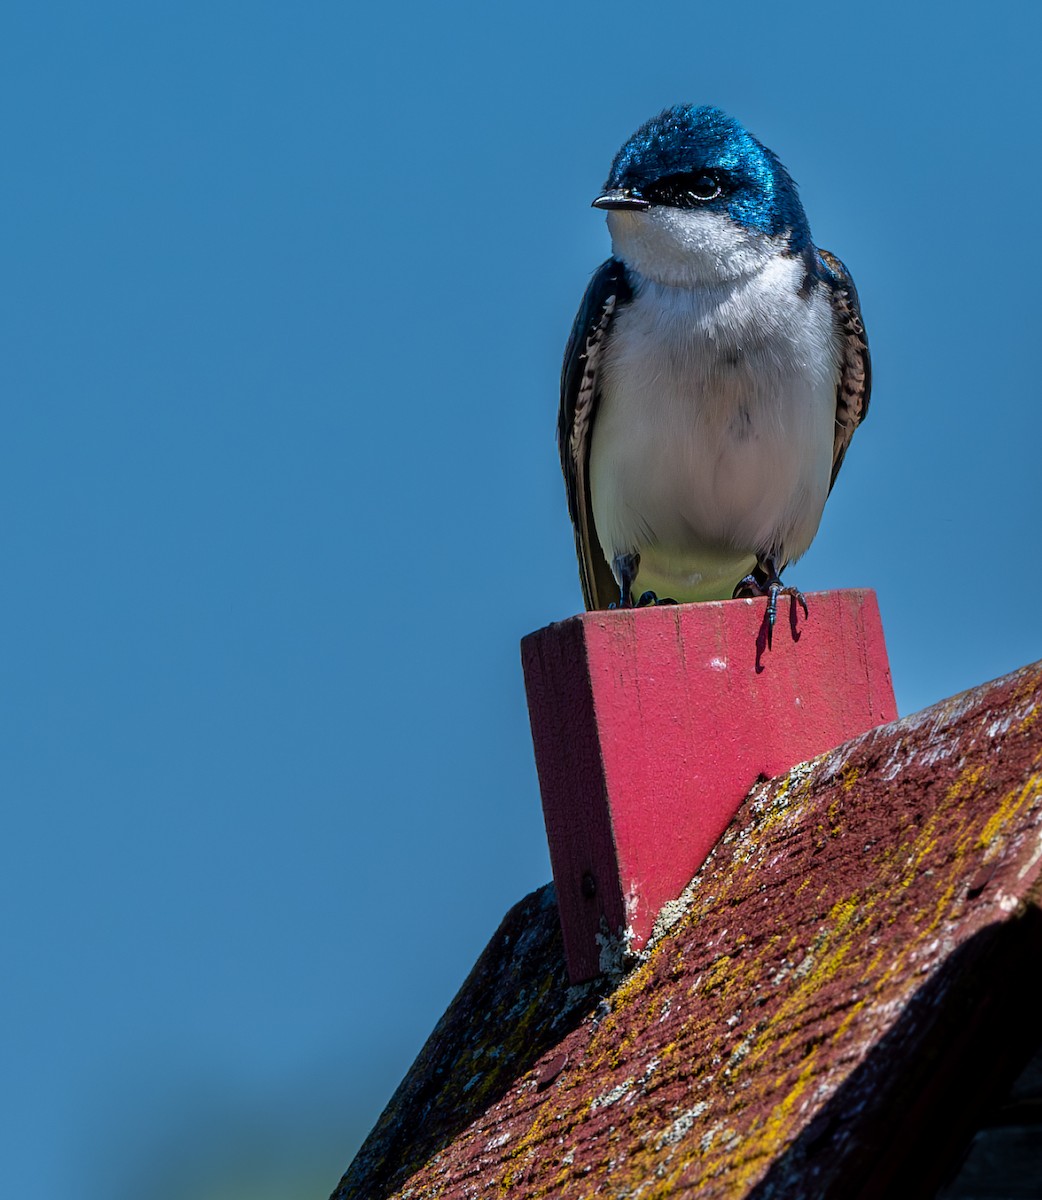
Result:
[688,247]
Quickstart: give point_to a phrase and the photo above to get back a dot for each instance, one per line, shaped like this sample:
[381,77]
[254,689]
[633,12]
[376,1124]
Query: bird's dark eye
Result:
[686,189]
[705,187]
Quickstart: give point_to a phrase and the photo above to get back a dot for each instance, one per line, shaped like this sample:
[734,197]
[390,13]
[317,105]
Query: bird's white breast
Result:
[713,438]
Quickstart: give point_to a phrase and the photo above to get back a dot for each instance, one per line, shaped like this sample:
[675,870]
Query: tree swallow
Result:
[715,373]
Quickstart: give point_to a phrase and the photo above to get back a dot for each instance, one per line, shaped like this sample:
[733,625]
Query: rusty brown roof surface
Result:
[854,977]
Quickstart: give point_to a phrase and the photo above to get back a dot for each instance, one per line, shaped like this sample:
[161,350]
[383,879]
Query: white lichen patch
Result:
[616,957]
[613,1095]
[740,1051]
[682,1126]
[783,973]
[705,1143]
[805,967]
[649,1070]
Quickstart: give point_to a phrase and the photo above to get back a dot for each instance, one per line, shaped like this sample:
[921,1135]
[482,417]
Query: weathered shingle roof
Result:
[852,977]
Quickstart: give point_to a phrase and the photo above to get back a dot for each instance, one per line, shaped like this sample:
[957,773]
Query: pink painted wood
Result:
[651,725]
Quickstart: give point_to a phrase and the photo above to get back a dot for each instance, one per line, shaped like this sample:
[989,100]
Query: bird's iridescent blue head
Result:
[697,157]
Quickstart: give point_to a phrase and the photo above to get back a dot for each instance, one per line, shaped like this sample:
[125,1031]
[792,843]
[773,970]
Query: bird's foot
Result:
[625,567]
[771,587]
[649,600]
[644,600]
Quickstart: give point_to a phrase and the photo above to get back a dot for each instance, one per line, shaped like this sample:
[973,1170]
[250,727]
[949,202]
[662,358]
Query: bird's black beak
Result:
[622,200]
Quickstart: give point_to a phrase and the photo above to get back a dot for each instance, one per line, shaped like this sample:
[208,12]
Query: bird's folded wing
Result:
[608,291]
[855,373]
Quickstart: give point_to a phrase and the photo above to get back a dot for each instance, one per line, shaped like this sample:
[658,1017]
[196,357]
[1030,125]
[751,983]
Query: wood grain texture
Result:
[651,725]
[854,980]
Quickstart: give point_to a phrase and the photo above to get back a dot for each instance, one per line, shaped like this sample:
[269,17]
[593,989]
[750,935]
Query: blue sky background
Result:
[284,292]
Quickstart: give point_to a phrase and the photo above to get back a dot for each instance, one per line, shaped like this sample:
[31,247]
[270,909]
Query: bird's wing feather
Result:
[609,289]
[855,372]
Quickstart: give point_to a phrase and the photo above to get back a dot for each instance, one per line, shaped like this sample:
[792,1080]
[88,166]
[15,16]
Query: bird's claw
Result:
[644,600]
[775,589]
[650,600]
[772,589]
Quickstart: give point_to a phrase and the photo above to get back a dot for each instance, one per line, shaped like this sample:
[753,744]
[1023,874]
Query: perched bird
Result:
[715,373]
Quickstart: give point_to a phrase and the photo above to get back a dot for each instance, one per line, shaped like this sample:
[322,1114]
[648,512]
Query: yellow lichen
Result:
[849,776]
[1010,805]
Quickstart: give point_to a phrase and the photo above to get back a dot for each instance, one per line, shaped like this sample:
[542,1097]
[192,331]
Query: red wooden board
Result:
[651,725]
